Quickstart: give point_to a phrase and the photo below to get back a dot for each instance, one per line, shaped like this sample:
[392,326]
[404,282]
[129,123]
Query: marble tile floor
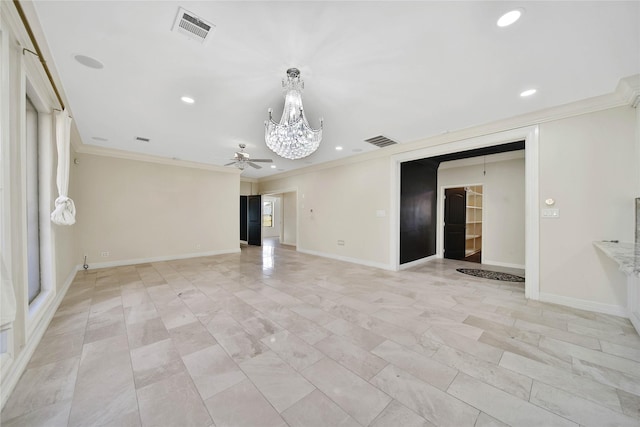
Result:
[273,337]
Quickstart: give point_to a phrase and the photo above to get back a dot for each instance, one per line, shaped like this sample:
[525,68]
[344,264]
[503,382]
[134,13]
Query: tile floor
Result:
[272,337]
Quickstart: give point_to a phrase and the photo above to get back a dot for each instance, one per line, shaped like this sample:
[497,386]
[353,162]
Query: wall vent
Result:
[191,26]
[141,139]
[380,141]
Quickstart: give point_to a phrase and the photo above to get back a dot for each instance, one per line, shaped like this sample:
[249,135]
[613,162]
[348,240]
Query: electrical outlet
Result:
[340,242]
[104,254]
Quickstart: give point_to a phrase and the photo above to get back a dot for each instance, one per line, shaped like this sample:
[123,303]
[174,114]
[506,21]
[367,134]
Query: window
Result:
[33,205]
[267,214]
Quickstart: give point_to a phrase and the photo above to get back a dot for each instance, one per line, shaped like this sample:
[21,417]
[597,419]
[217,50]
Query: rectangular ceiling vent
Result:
[191,26]
[380,141]
[142,139]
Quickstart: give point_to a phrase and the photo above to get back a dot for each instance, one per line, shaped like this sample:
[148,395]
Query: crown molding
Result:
[626,93]
[629,89]
[140,157]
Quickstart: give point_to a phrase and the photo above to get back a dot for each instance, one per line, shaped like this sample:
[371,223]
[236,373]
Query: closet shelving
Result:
[473,233]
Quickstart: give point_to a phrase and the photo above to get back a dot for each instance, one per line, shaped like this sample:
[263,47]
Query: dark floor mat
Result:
[493,275]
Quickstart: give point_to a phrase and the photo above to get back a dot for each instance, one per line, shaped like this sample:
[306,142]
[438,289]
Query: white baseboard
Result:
[598,307]
[504,264]
[10,380]
[347,259]
[417,262]
[124,262]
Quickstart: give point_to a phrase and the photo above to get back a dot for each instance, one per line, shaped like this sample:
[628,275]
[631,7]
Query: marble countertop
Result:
[627,255]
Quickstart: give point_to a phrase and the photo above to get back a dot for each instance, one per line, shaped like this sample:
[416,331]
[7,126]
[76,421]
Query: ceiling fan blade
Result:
[253,165]
[262,160]
[229,164]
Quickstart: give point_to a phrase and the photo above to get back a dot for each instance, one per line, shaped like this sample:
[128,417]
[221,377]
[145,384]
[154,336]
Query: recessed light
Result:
[338,148]
[88,61]
[528,92]
[273,166]
[509,18]
[187,100]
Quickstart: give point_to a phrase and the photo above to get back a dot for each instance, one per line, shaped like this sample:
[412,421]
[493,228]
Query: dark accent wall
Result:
[243,218]
[418,202]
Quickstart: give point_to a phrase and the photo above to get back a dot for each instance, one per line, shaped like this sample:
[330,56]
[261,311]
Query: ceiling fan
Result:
[242,159]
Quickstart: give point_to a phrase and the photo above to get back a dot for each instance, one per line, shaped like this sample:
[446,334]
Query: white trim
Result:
[532,220]
[281,192]
[347,259]
[124,262]
[635,320]
[10,380]
[531,214]
[504,264]
[40,305]
[418,262]
[598,307]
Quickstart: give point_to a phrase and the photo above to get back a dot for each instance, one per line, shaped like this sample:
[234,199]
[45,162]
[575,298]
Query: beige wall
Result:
[141,210]
[340,203]
[503,209]
[587,165]
[289,218]
[248,188]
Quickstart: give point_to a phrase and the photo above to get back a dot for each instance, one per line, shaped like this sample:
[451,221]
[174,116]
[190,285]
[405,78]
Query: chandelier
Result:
[292,138]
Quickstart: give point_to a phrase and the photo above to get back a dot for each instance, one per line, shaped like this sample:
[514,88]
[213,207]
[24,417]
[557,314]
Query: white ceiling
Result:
[405,70]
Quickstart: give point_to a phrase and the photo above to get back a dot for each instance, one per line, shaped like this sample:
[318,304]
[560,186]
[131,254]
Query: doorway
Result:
[463,223]
[251,220]
[529,135]
[284,222]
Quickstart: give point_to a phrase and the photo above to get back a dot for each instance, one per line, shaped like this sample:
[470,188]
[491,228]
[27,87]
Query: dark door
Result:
[455,210]
[243,218]
[254,223]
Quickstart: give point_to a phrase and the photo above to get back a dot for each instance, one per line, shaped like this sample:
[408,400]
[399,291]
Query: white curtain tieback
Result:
[64,212]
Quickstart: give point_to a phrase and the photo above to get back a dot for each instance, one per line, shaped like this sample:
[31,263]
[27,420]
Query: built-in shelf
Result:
[473,233]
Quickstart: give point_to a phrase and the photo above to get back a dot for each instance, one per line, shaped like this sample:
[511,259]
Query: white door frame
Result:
[280,192]
[532,220]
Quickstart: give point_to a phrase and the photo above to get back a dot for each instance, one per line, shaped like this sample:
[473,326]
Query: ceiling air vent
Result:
[193,27]
[380,141]
[141,139]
